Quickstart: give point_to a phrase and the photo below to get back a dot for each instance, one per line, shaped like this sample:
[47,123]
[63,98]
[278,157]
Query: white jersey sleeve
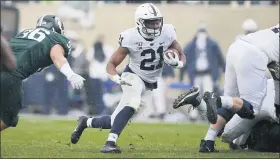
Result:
[146,57]
[267,41]
[125,39]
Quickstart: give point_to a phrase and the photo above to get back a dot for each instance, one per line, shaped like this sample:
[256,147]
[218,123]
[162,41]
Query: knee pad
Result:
[225,113]
[246,111]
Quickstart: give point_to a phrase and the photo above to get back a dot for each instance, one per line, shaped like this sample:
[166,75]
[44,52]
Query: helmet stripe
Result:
[154,10]
[41,20]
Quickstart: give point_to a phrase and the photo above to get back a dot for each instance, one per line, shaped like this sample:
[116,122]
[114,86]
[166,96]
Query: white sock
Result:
[89,122]
[226,102]
[211,135]
[113,137]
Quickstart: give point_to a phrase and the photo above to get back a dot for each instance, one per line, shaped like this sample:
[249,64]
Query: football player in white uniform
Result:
[146,45]
[245,83]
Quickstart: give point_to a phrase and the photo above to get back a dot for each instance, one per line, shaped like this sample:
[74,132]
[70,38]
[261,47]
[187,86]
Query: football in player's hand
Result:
[171,52]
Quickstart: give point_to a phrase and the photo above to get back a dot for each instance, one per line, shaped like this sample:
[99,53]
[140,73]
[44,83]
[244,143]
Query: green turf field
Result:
[45,138]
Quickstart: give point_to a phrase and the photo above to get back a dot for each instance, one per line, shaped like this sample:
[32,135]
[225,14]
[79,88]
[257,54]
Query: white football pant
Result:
[132,96]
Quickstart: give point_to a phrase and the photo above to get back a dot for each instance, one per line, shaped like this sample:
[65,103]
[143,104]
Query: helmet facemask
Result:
[151,27]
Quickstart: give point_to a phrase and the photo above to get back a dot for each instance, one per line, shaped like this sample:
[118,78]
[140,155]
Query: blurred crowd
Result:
[48,92]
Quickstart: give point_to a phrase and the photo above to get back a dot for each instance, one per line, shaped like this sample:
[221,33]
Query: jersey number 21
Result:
[153,57]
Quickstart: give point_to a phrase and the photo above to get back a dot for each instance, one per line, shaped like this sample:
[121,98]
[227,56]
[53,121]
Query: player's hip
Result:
[149,79]
[241,49]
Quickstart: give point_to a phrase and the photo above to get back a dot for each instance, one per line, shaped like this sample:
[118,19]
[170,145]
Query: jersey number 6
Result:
[38,34]
[153,57]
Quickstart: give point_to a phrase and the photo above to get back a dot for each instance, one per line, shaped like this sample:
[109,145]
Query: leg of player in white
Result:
[159,99]
[238,126]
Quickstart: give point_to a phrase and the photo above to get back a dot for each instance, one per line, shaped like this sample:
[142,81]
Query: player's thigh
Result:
[235,128]
[251,79]
[238,126]
[11,99]
[131,95]
[159,93]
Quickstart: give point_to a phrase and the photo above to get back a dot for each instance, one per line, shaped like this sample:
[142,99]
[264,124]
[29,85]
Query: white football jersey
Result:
[267,41]
[146,57]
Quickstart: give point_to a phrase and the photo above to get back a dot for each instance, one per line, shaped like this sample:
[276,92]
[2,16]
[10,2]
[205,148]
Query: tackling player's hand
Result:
[76,81]
[170,60]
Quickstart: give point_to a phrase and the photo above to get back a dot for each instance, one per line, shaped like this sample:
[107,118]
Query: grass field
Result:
[45,138]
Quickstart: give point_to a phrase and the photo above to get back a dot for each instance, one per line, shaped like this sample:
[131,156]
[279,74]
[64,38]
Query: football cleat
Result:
[212,101]
[78,131]
[207,146]
[110,147]
[192,97]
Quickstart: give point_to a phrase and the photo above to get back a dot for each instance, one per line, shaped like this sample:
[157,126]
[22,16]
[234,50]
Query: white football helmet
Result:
[148,20]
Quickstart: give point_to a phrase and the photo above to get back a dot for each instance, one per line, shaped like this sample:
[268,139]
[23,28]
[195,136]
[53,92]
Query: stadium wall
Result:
[223,22]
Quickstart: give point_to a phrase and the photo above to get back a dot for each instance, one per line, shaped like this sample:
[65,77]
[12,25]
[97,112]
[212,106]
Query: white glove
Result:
[117,79]
[76,81]
[173,61]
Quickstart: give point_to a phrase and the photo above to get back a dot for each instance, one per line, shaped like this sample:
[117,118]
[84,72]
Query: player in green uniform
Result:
[34,50]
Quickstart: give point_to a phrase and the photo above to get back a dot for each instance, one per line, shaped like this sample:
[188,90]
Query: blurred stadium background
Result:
[94,26]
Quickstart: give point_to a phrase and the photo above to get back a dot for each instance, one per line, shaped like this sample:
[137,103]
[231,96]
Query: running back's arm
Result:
[116,59]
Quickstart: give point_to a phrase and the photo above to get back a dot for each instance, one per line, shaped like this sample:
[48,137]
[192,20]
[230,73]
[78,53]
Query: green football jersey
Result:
[32,50]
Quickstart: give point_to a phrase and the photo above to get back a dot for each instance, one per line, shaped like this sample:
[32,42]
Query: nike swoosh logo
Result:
[161,43]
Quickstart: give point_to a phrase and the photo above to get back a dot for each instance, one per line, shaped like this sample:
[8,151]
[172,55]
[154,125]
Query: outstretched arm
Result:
[61,63]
